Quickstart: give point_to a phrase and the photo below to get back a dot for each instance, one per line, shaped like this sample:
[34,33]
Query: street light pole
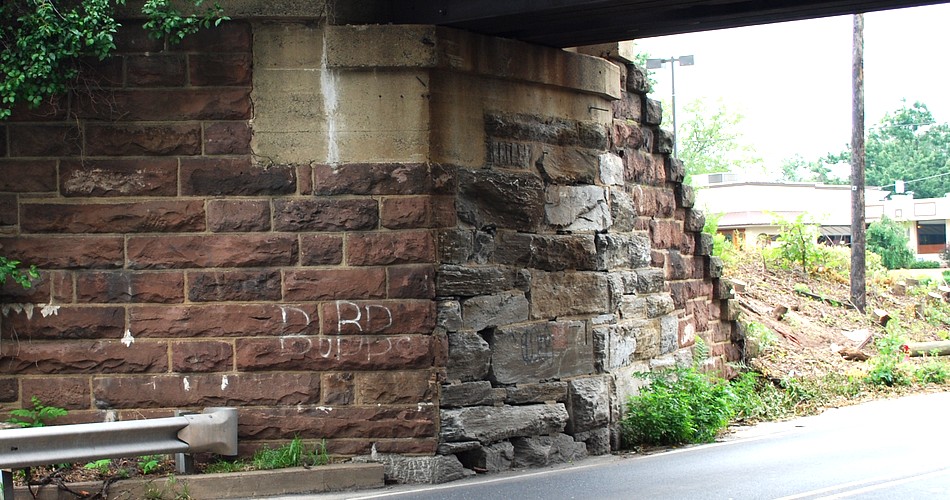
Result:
[658,63]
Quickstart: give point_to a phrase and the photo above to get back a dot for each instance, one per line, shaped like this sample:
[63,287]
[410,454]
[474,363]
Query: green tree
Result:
[45,41]
[907,145]
[710,141]
[798,169]
[888,238]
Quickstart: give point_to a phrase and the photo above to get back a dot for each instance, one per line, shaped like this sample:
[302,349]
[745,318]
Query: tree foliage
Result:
[907,145]
[45,41]
[888,238]
[710,141]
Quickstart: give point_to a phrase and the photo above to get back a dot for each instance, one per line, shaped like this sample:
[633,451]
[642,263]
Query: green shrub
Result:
[888,238]
[38,416]
[292,454]
[679,405]
[933,371]
[887,368]
[924,264]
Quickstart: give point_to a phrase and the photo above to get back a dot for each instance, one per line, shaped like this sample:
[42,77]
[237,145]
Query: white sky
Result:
[792,81]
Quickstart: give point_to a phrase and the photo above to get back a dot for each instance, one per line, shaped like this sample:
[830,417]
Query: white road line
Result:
[888,484]
[876,484]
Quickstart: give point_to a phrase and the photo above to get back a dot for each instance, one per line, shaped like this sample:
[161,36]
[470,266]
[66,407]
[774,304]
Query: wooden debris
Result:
[935,295]
[764,313]
[899,289]
[881,316]
[853,354]
[938,348]
[778,313]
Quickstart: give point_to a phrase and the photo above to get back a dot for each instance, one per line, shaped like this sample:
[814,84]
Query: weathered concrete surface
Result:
[252,484]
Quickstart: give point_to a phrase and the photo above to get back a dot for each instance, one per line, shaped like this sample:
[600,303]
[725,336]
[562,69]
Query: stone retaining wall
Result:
[405,240]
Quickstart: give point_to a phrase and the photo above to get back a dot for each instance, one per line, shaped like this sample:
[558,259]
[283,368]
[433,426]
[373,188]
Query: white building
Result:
[749,208]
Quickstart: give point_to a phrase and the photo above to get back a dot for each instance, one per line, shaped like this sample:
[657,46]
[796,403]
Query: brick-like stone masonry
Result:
[490,317]
[177,272]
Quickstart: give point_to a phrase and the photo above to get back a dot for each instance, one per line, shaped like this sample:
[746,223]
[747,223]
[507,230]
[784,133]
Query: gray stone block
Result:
[554,295]
[501,309]
[589,404]
[695,220]
[469,356]
[611,169]
[506,199]
[541,351]
[536,393]
[669,334]
[461,281]
[622,210]
[453,448]
[541,451]
[493,458]
[449,315]
[617,252]
[577,208]
[597,440]
[490,424]
[415,470]
[659,304]
[467,394]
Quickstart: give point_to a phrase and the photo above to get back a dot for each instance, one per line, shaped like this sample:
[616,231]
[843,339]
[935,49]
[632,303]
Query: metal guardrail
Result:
[213,431]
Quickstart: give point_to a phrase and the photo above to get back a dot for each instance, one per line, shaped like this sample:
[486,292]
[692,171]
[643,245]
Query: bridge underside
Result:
[566,23]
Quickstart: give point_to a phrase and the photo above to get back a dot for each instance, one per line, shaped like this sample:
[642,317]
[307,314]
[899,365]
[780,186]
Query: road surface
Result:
[897,448]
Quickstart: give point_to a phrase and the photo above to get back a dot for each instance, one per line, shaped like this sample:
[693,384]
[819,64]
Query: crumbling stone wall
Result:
[406,240]
[578,260]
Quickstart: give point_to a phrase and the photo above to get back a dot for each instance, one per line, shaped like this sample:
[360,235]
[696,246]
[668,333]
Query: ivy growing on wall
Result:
[45,40]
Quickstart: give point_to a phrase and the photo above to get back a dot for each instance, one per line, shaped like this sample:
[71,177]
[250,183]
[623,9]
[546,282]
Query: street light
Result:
[658,63]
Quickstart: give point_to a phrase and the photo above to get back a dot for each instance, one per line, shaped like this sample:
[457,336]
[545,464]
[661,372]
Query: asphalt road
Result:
[890,449]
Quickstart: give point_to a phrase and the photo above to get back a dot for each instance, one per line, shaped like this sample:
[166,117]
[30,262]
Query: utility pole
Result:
[858,243]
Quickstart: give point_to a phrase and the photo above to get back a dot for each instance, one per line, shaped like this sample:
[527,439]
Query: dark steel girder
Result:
[565,23]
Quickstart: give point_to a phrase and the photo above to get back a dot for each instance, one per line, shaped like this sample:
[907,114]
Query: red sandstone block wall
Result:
[178,271]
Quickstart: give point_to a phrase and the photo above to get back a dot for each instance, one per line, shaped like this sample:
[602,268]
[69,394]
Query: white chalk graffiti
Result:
[360,317]
[343,348]
[284,310]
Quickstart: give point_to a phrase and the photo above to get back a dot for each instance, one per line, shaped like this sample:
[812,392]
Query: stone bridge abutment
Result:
[442,250]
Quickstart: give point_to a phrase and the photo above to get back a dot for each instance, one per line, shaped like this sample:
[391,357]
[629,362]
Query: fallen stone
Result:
[493,458]
[489,424]
[418,470]
[453,448]
[541,451]
[597,440]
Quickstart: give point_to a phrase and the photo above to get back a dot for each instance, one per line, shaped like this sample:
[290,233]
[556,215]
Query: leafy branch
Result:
[44,41]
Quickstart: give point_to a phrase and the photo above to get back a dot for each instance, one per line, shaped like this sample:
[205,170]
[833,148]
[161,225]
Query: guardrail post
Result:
[6,477]
[184,462]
